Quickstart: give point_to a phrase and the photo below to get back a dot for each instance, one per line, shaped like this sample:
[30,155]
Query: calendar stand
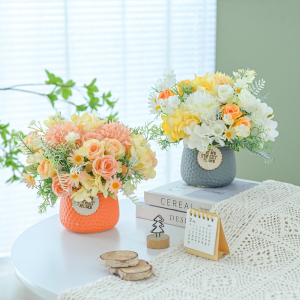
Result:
[221,246]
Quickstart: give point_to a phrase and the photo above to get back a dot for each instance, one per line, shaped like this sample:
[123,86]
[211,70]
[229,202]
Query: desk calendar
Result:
[204,235]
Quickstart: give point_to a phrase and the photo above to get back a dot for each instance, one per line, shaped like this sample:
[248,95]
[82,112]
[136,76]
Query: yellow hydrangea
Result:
[174,123]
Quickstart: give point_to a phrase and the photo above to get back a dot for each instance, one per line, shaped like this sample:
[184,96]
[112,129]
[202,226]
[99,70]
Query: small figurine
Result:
[158,239]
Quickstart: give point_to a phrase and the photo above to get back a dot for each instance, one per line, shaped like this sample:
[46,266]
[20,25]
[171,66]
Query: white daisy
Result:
[203,105]
[154,104]
[230,134]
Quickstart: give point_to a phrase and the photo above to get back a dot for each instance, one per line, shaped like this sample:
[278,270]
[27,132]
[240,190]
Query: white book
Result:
[180,196]
[172,217]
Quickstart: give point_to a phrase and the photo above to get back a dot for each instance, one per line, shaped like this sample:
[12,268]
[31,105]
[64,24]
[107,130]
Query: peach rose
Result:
[114,147]
[92,136]
[106,166]
[95,148]
[58,190]
[243,121]
[149,157]
[165,94]
[45,169]
[232,109]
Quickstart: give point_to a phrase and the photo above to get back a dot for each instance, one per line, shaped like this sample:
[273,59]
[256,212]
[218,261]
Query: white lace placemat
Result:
[262,228]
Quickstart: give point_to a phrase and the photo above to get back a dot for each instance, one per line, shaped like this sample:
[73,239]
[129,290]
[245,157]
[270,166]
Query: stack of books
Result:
[172,200]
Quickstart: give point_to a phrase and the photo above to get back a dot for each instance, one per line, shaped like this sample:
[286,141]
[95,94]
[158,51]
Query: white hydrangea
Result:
[218,127]
[270,130]
[203,105]
[242,130]
[259,113]
[199,137]
[228,119]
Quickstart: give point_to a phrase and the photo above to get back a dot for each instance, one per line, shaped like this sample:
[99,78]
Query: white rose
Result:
[224,92]
[246,99]
[260,113]
[174,101]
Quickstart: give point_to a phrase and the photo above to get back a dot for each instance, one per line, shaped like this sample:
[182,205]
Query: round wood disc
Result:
[118,259]
[158,242]
[211,159]
[141,271]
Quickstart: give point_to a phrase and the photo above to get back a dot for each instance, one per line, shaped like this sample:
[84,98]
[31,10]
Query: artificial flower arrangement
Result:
[83,157]
[213,110]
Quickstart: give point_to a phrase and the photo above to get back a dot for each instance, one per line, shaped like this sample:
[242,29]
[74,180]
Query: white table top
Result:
[48,258]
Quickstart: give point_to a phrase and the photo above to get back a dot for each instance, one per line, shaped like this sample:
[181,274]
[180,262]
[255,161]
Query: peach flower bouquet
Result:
[83,157]
[213,110]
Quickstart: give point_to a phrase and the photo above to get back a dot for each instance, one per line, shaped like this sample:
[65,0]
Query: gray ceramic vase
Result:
[193,174]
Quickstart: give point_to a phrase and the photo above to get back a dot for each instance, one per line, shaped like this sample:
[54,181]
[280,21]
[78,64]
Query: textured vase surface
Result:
[193,174]
[104,218]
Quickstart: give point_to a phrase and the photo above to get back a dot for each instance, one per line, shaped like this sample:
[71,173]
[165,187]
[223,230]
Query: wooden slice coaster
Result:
[141,271]
[118,259]
[159,242]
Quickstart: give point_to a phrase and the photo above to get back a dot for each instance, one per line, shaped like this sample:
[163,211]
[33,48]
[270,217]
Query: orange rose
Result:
[242,121]
[58,190]
[95,148]
[232,109]
[45,169]
[114,147]
[165,94]
[106,166]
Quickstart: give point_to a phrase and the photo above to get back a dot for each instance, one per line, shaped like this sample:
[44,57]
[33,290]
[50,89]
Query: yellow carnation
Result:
[206,82]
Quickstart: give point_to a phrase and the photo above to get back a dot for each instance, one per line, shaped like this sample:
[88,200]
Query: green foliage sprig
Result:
[154,133]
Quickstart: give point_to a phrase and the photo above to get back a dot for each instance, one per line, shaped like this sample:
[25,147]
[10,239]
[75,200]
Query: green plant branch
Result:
[60,91]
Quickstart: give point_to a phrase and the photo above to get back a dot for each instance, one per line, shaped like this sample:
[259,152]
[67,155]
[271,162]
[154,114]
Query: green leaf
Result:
[70,83]
[52,97]
[94,102]
[31,169]
[81,107]
[52,78]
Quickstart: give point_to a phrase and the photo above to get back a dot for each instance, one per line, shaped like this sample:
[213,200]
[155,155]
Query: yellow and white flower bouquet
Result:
[213,110]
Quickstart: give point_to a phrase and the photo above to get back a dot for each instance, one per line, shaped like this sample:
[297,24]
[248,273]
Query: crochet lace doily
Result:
[262,228]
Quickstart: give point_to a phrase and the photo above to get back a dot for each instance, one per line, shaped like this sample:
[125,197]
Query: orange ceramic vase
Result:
[105,217]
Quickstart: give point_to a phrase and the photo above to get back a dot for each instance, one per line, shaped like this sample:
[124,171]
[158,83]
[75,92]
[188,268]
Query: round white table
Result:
[49,259]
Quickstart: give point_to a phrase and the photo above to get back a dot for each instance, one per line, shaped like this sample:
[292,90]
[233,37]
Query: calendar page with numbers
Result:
[200,232]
